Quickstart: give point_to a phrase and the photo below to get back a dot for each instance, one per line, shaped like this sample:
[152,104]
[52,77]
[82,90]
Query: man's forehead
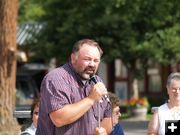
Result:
[88,49]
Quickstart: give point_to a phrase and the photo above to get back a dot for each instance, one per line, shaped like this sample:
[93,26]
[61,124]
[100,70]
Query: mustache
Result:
[90,68]
[90,71]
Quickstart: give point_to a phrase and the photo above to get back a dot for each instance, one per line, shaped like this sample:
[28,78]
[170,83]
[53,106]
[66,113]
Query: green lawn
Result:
[126,116]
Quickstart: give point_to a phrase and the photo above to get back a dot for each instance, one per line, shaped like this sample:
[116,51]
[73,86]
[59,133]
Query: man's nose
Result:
[91,63]
[178,90]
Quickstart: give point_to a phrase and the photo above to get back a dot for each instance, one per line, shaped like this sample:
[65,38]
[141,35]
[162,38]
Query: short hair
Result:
[90,42]
[35,104]
[114,99]
[173,76]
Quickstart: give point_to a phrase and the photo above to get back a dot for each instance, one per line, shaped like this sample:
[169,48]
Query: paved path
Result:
[134,127]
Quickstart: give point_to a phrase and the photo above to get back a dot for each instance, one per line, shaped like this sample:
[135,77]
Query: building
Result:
[153,84]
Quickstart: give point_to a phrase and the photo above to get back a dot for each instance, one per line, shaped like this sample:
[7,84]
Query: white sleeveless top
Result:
[164,113]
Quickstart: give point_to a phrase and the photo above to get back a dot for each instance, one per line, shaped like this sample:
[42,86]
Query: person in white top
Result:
[34,114]
[169,110]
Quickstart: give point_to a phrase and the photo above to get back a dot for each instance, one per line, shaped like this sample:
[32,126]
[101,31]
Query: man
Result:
[70,98]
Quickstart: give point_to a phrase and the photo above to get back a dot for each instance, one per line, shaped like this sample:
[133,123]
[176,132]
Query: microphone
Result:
[95,81]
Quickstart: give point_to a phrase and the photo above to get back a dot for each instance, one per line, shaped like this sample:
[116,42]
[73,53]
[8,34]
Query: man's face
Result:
[86,61]
[174,90]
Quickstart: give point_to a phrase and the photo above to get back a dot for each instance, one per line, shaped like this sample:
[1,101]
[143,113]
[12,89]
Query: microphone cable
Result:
[109,102]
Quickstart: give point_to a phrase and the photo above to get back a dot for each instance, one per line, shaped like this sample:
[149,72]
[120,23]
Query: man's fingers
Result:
[100,131]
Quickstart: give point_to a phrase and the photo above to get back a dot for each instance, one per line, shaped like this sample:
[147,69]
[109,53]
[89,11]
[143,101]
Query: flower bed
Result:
[138,107]
[138,102]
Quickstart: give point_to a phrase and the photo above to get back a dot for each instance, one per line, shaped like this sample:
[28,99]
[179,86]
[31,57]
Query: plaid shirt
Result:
[63,86]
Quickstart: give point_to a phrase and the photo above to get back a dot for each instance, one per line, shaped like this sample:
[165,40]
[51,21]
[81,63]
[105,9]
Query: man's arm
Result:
[72,112]
[107,124]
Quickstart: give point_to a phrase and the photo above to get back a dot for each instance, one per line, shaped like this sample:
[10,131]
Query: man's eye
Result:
[96,61]
[87,60]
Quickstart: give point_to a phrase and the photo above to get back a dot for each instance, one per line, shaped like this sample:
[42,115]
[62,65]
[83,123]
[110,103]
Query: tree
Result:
[8,17]
[30,11]
[132,31]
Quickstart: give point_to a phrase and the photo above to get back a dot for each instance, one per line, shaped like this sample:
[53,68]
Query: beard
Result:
[87,73]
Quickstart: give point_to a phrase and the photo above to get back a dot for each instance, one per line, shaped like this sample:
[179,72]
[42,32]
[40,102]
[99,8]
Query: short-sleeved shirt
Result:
[63,86]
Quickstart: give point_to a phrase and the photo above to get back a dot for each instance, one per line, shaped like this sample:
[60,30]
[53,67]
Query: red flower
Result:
[138,102]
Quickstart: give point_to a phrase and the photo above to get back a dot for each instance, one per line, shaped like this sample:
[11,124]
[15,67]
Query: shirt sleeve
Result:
[108,111]
[106,106]
[55,93]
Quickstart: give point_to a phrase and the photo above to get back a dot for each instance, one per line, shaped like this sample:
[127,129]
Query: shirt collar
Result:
[76,75]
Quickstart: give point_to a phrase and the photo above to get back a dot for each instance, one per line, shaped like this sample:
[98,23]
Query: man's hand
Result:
[100,131]
[98,91]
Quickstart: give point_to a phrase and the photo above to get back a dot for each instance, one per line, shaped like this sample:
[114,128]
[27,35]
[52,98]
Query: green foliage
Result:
[167,42]
[30,10]
[133,31]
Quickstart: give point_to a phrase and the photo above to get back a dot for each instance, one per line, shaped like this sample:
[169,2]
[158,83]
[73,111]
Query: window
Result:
[120,69]
[154,80]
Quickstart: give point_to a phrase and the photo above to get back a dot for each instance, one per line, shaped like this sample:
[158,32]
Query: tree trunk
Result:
[135,88]
[133,83]
[8,25]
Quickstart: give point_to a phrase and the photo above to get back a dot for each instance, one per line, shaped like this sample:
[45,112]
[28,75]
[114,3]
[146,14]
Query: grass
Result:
[149,116]
[126,116]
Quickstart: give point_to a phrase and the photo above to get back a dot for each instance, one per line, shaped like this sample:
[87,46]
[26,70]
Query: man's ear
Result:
[72,58]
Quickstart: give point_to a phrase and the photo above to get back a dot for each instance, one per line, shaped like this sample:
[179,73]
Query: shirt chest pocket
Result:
[76,94]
